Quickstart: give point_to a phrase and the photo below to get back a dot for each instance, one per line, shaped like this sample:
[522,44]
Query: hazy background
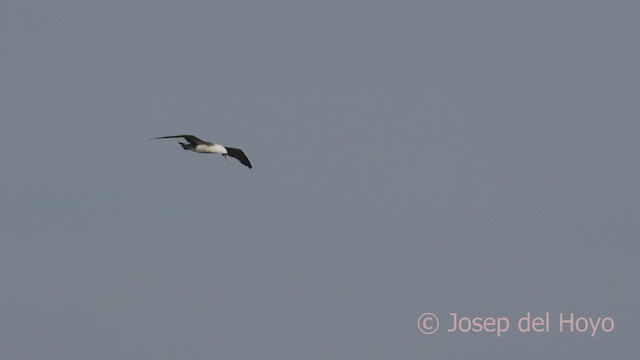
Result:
[409,157]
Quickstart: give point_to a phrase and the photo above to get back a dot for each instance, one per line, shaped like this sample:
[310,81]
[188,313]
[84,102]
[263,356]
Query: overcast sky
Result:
[476,157]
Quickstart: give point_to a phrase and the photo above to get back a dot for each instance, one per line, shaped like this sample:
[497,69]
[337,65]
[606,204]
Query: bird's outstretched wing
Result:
[190,138]
[239,154]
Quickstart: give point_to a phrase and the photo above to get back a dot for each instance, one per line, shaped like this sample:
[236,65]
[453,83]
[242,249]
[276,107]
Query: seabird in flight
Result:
[205,147]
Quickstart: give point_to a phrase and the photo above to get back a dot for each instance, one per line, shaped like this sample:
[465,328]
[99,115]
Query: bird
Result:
[205,147]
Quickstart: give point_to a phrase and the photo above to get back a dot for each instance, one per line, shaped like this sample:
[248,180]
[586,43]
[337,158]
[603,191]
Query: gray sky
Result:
[409,157]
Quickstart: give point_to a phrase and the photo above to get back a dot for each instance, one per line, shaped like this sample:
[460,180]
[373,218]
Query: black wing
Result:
[239,154]
[190,138]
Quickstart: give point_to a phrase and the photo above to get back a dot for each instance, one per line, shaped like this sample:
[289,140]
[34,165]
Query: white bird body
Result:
[206,147]
[210,149]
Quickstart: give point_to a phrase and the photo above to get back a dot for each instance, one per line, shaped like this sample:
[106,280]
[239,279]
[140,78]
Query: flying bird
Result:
[205,147]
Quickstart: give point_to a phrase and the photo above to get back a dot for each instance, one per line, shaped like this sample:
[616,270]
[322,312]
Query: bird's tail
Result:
[184,146]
